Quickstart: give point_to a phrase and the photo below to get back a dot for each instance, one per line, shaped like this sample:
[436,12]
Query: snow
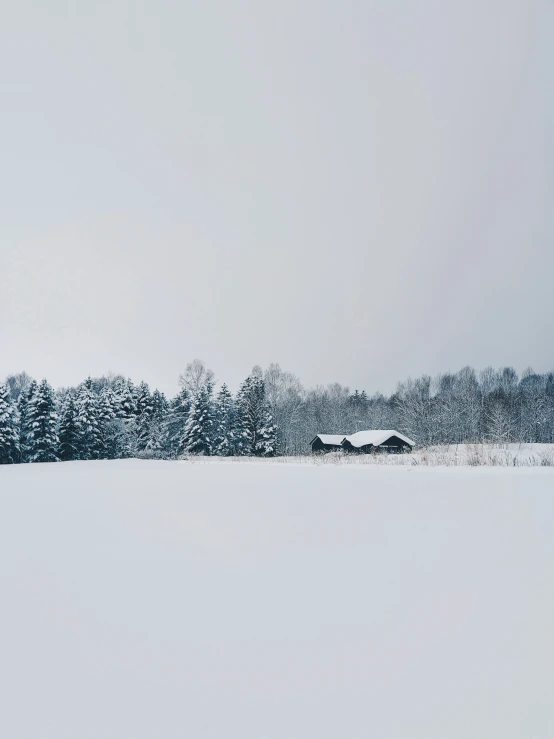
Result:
[441,455]
[361,438]
[260,600]
[331,438]
[375,437]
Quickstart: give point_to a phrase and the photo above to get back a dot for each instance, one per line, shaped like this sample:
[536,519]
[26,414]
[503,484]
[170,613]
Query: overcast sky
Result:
[360,191]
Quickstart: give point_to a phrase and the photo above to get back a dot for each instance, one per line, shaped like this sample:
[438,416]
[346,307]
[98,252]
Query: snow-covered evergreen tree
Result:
[107,408]
[152,440]
[127,400]
[89,422]
[9,430]
[23,403]
[225,423]
[107,405]
[69,433]
[160,406]
[175,422]
[144,411]
[256,432]
[199,434]
[42,439]
[144,399]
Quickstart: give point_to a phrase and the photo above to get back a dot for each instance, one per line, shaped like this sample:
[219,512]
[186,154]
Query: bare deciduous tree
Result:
[195,377]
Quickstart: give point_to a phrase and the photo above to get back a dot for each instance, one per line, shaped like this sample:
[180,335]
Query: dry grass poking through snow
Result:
[454,455]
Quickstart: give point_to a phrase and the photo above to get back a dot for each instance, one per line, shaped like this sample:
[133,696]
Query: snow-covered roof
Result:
[335,439]
[375,437]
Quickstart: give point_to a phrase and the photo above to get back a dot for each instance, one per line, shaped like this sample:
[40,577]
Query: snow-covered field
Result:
[276,601]
[441,455]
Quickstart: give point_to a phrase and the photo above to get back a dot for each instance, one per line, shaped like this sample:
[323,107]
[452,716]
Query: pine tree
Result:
[107,410]
[266,443]
[9,431]
[145,410]
[23,404]
[144,399]
[160,405]
[154,442]
[69,436]
[42,439]
[200,427]
[225,423]
[127,400]
[175,422]
[256,431]
[241,427]
[107,405]
[89,422]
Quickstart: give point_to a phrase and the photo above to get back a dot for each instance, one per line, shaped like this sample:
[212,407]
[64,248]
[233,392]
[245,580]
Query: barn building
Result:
[365,442]
[327,442]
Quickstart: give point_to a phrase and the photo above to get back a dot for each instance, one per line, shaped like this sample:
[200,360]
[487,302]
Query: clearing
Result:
[162,600]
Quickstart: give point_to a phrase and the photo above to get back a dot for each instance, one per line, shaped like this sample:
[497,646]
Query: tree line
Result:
[111,418]
[494,406]
[272,413]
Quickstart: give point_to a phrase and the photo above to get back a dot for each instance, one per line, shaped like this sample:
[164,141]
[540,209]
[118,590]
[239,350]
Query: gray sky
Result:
[360,191]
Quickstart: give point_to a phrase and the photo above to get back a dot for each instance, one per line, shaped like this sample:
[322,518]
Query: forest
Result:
[271,414]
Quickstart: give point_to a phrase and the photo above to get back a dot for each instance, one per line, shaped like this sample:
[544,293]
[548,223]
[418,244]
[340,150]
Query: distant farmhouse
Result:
[363,442]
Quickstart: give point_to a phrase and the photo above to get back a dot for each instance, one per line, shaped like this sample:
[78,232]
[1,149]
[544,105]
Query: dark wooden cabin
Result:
[327,443]
[377,440]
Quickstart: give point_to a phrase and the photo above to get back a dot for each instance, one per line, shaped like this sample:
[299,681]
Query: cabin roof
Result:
[375,437]
[332,439]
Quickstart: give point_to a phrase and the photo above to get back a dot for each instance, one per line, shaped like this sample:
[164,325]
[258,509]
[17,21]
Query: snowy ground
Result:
[441,455]
[276,601]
